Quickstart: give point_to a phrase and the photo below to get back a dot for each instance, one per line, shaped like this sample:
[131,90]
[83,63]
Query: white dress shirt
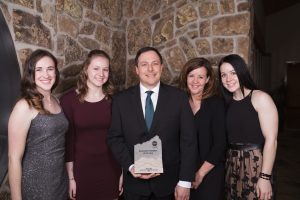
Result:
[154,98]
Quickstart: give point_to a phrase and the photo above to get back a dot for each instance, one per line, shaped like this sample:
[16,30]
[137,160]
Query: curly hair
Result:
[28,86]
[210,88]
[82,87]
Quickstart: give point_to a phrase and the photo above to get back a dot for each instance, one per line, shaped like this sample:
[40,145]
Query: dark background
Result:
[9,88]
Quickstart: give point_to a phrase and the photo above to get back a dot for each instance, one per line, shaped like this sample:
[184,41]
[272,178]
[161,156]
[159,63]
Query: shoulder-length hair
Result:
[28,86]
[210,88]
[82,87]
[242,72]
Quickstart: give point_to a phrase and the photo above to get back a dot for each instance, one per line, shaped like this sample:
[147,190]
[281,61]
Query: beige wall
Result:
[185,29]
[180,29]
[69,29]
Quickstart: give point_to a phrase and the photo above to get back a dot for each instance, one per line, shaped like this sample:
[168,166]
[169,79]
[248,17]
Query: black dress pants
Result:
[132,196]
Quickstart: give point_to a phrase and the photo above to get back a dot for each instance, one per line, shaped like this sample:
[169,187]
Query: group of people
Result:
[218,141]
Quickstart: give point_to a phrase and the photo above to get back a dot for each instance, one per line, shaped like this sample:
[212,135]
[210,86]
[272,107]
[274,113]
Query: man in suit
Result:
[172,121]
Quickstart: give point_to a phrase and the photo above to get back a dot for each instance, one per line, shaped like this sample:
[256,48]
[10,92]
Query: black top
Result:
[210,125]
[242,122]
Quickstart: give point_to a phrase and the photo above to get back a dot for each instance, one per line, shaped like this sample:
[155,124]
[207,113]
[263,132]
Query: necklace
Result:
[47,102]
[96,95]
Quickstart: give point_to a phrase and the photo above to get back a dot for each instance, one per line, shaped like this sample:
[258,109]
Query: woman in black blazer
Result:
[198,80]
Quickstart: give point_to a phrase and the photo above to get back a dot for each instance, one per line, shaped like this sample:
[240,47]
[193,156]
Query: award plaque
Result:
[148,157]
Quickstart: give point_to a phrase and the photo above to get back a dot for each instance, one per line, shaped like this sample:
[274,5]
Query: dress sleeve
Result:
[115,137]
[218,131]
[66,104]
[188,143]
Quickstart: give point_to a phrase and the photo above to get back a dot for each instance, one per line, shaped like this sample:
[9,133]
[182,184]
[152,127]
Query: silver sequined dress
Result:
[44,174]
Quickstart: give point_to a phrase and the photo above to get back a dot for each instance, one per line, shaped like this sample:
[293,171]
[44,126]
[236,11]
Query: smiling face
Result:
[97,72]
[229,77]
[196,81]
[45,75]
[149,69]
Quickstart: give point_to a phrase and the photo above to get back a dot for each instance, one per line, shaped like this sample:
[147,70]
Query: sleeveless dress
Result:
[244,156]
[96,172]
[44,175]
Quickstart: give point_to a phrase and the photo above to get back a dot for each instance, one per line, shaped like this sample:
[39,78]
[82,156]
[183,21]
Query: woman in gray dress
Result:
[36,131]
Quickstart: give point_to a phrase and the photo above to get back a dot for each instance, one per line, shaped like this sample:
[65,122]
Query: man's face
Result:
[149,69]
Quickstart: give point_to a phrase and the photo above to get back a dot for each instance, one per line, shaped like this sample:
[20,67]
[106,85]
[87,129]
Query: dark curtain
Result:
[9,88]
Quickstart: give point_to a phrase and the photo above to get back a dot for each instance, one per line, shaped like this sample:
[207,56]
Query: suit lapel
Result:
[161,103]
[137,107]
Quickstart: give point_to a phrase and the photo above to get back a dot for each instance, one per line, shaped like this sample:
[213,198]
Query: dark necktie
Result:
[149,110]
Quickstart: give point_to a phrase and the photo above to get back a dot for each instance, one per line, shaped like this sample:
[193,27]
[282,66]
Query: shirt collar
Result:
[143,89]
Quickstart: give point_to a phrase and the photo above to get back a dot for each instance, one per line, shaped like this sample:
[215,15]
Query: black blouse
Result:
[211,133]
[243,123]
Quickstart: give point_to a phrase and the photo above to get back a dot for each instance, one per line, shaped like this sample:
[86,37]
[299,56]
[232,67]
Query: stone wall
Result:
[69,29]
[183,29]
[180,29]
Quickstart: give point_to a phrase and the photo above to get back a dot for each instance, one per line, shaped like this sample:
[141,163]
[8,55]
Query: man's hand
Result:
[143,176]
[182,193]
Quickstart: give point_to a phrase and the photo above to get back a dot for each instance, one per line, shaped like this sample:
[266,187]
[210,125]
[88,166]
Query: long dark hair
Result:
[82,87]
[28,86]
[195,63]
[242,72]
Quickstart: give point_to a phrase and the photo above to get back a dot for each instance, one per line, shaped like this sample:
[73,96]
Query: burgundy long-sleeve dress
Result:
[95,171]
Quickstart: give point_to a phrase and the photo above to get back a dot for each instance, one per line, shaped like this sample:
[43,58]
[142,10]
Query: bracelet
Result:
[265,176]
[71,179]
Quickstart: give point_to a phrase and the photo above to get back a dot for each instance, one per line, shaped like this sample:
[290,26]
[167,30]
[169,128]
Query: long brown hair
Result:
[28,86]
[82,87]
[195,63]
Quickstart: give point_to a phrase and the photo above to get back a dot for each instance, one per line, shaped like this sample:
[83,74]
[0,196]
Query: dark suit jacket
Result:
[211,137]
[173,122]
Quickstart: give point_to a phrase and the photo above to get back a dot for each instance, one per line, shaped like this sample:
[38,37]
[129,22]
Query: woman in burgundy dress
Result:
[93,172]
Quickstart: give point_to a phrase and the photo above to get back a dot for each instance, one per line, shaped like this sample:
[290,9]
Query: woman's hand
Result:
[72,189]
[198,179]
[121,184]
[201,173]
[264,189]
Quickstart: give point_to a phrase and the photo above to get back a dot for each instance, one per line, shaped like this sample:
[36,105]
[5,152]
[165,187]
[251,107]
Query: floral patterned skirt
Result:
[242,173]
